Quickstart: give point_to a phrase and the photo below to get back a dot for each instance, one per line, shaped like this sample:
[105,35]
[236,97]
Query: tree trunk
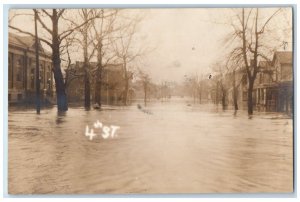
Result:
[62,104]
[217,94]
[235,102]
[87,87]
[145,94]
[125,97]
[250,100]
[200,95]
[194,96]
[98,84]
[235,98]
[223,99]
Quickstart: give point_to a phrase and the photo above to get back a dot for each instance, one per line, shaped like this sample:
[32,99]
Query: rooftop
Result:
[284,57]
[25,42]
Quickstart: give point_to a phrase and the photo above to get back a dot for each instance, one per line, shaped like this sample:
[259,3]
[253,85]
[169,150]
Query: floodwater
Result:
[171,147]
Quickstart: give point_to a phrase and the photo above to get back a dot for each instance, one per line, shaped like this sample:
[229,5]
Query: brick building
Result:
[112,89]
[21,71]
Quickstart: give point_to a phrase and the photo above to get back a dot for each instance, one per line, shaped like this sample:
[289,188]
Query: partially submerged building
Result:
[22,71]
[273,86]
[112,88]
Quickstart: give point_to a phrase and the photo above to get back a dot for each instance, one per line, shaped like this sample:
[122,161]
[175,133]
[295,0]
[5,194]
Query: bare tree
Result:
[196,84]
[55,16]
[199,81]
[146,82]
[86,59]
[102,30]
[220,80]
[126,52]
[235,63]
[71,74]
[249,29]
[189,86]
[235,91]
[84,41]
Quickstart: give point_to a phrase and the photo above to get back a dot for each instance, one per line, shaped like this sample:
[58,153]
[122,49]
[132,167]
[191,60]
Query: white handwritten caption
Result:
[106,130]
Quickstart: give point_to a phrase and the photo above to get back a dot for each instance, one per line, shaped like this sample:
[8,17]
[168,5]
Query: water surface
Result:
[176,148]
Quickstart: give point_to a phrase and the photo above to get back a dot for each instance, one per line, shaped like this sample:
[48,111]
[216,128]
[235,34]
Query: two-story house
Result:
[273,89]
[283,66]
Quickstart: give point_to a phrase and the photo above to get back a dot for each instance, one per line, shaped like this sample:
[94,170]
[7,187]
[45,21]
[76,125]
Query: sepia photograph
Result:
[196,100]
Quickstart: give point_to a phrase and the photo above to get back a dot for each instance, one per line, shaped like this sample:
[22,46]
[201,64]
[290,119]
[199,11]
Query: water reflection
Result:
[60,117]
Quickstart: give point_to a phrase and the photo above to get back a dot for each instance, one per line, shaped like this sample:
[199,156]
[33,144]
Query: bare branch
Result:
[60,13]
[44,11]
[248,17]
[66,33]
[42,23]
[268,20]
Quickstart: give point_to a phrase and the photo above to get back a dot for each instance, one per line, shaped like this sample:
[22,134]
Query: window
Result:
[32,78]
[276,70]
[19,68]
[48,80]
[41,74]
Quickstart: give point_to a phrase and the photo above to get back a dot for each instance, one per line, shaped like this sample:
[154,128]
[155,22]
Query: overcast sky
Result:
[186,41]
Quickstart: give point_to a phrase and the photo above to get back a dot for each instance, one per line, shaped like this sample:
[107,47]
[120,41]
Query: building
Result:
[112,89]
[283,65]
[264,89]
[273,86]
[22,68]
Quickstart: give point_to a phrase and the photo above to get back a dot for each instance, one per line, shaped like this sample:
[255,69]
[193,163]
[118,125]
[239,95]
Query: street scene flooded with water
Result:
[175,149]
[150,101]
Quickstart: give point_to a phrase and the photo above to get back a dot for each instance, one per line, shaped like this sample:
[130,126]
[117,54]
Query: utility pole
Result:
[37,66]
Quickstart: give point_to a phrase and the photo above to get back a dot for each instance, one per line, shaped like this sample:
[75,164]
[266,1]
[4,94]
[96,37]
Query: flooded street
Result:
[175,148]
